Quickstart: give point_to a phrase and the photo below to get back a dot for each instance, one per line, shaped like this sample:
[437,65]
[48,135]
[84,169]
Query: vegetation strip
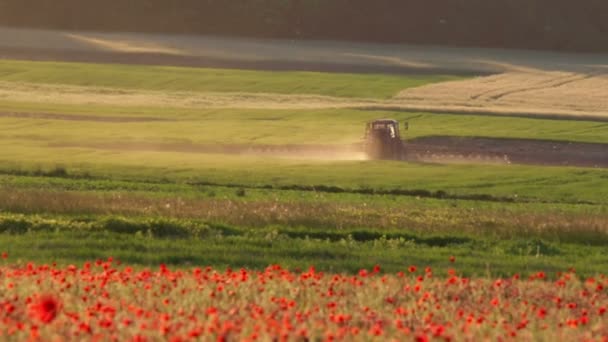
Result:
[62,172]
[172,223]
[149,241]
[165,78]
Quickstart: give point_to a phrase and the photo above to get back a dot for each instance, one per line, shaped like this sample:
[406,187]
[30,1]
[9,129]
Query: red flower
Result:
[412,269]
[194,333]
[139,338]
[542,313]
[4,255]
[422,338]
[452,258]
[438,330]
[522,324]
[85,328]
[376,330]
[45,308]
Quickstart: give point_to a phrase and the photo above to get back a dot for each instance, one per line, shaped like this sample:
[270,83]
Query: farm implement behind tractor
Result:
[382,141]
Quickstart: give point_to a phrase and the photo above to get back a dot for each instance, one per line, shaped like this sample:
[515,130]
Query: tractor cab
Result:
[383,140]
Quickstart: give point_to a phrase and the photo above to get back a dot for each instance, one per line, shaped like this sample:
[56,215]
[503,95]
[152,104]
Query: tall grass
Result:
[318,218]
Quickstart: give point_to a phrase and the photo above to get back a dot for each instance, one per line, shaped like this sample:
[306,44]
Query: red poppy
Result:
[542,313]
[45,308]
[422,338]
[85,328]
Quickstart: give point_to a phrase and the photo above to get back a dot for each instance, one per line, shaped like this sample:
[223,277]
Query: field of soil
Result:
[516,151]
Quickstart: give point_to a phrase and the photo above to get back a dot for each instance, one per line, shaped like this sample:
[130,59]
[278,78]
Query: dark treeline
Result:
[580,25]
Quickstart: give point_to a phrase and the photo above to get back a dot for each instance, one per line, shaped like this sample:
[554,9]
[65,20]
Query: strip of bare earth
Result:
[443,149]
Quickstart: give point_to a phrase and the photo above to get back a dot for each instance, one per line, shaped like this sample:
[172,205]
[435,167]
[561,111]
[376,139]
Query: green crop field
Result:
[270,126]
[216,80]
[88,170]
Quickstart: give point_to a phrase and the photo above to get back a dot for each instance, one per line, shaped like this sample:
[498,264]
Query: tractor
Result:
[383,141]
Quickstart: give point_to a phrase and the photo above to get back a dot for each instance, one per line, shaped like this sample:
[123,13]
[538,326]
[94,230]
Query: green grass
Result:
[138,242]
[553,184]
[212,80]
[328,126]
[49,180]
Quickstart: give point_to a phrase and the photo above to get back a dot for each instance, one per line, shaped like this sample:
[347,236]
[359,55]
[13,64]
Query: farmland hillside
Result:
[535,24]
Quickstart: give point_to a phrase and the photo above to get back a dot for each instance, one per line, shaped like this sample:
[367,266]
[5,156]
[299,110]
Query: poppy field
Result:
[107,300]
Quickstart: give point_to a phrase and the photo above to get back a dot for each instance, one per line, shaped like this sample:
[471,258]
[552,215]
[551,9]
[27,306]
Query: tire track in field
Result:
[554,83]
[500,92]
[553,94]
